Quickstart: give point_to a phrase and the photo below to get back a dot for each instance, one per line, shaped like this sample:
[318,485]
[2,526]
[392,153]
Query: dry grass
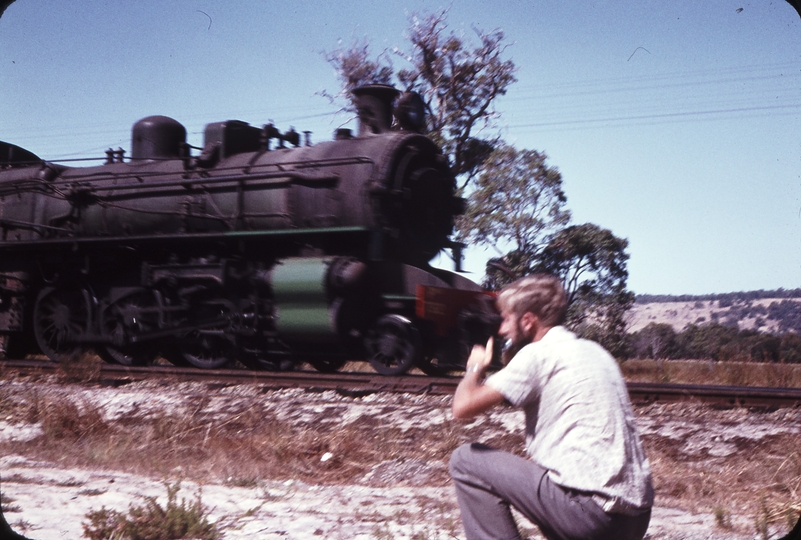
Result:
[241,449]
[731,484]
[6,503]
[82,369]
[708,372]
[762,480]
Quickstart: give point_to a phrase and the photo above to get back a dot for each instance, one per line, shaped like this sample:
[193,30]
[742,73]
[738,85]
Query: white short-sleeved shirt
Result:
[579,420]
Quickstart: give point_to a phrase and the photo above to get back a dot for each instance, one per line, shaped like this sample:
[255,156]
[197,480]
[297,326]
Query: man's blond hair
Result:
[541,294]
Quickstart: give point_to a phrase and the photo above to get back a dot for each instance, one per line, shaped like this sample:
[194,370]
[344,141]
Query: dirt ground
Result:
[297,464]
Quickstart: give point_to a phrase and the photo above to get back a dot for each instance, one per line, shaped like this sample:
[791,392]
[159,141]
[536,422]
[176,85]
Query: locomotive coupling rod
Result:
[169,332]
[123,340]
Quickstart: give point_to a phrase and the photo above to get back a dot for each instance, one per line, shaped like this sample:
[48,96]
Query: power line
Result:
[633,118]
[737,92]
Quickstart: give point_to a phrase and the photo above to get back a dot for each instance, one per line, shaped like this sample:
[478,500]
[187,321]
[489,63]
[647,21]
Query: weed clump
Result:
[723,518]
[151,521]
[81,369]
[64,419]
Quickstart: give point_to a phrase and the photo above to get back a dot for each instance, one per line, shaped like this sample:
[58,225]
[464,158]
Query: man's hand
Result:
[472,397]
[480,358]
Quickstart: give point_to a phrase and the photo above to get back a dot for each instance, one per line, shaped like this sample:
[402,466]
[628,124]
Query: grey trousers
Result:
[488,481]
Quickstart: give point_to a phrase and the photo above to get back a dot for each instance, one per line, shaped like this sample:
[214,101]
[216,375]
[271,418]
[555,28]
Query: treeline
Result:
[713,341]
[721,339]
[726,298]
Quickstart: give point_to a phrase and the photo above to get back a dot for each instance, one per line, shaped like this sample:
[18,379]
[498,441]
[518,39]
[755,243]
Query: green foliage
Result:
[716,342]
[458,79]
[708,341]
[591,260]
[355,68]
[152,521]
[750,345]
[788,313]
[657,341]
[593,265]
[704,341]
[522,203]
[790,349]
[515,202]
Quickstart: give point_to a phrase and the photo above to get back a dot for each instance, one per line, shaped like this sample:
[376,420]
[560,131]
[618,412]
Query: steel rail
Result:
[361,383]
[732,396]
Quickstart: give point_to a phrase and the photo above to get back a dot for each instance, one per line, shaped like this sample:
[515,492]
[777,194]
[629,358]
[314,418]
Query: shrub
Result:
[152,521]
[790,348]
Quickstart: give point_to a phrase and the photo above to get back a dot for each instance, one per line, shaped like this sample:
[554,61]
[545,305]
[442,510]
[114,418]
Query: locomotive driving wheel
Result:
[60,316]
[211,344]
[134,314]
[208,350]
[328,364]
[393,345]
[450,354]
[435,366]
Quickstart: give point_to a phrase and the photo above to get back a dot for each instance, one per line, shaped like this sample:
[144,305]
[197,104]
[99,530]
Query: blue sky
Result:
[676,124]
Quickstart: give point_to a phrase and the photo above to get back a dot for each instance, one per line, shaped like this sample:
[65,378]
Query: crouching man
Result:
[586,476]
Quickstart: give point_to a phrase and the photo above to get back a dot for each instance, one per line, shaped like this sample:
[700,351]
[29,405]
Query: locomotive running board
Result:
[294,234]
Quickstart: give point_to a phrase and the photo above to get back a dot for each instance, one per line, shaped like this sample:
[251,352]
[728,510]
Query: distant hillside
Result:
[725,297]
[774,312]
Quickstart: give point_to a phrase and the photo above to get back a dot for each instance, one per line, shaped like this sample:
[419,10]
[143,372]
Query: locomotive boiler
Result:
[259,249]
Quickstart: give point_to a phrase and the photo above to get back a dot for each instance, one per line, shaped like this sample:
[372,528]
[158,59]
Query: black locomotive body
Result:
[259,249]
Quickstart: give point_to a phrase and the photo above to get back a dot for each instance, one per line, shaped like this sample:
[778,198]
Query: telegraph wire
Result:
[633,118]
[724,93]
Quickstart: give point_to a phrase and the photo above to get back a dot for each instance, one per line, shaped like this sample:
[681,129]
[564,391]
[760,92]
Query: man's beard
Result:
[513,345]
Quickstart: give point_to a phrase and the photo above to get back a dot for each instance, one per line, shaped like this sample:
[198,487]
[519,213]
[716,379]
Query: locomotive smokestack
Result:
[374,107]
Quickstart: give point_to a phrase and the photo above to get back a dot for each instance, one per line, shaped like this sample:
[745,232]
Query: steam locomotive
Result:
[260,249]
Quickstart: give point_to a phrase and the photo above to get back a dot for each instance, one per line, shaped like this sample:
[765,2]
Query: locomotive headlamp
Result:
[410,112]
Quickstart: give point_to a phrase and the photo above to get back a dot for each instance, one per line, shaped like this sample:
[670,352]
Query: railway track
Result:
[361,383]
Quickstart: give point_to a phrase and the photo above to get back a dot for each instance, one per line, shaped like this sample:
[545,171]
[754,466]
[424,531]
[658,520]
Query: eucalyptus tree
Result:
[459,78]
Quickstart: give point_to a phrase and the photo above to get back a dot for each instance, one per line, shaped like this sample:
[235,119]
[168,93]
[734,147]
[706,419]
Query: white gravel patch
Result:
[48,501]
[53,504]
[19,433]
